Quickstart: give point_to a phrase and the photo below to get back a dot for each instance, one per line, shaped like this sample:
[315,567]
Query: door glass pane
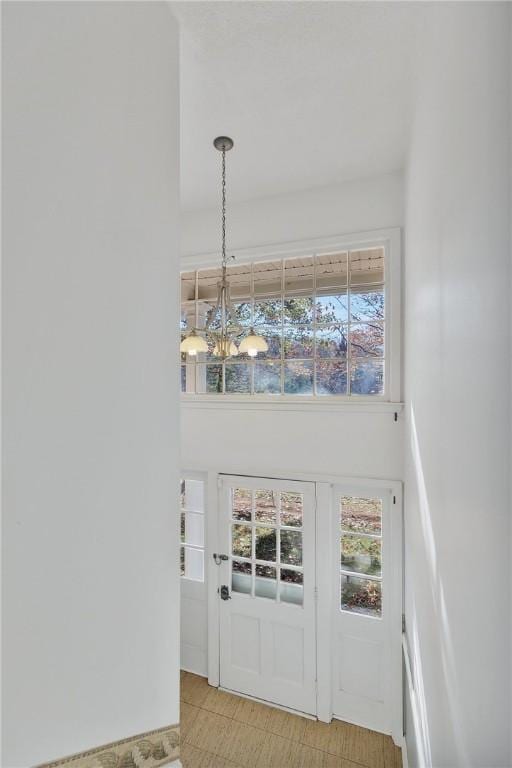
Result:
[194,529]
[360,595]
[242,502]
[291,588]
[265,582]
[265,507]
[291,547]
[361,515]
[361,554]
[266,544]
[194,563]
[242,540]
[192,495]
[241,577]
[291,509]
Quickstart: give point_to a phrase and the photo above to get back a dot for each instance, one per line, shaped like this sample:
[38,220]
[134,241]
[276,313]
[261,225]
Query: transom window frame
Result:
[390,241]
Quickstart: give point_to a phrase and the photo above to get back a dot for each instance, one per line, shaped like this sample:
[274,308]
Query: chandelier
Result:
[222,328]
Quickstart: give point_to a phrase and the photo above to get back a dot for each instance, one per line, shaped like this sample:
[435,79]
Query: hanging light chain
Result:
[224,258]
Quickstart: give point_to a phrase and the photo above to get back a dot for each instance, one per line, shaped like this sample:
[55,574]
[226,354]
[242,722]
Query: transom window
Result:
[323,316]
[266,544]
[361,555]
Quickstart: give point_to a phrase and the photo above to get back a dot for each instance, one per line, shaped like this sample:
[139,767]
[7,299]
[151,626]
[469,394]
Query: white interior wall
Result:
[457,386]
[276,441]
[90,396]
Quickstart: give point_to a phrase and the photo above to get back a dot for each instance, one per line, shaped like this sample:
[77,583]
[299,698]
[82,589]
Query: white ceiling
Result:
[313,93]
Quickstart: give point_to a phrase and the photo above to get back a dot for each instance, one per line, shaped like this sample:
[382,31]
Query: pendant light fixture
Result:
[224,337]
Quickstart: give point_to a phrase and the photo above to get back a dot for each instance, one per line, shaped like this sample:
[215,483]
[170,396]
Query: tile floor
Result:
[220,730]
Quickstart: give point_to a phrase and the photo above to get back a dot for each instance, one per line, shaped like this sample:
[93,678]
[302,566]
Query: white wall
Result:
[278,441]
[356,206]
[90,553]
[457,325]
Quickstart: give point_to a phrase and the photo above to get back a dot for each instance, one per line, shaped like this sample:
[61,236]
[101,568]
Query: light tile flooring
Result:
[220,730]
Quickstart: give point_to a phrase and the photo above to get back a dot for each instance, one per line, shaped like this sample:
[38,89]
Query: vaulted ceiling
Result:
[313,93]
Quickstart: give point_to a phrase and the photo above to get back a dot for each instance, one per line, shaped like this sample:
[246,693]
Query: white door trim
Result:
[324,586]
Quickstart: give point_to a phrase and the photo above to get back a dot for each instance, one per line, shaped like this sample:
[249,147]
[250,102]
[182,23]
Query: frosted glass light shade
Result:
[192,344]
[252,344]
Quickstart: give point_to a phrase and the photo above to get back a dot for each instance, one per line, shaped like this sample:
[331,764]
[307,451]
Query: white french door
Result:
[366,606]
[267,590]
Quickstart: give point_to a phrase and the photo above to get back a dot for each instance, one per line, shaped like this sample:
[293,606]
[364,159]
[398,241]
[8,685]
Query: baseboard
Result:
[146,750]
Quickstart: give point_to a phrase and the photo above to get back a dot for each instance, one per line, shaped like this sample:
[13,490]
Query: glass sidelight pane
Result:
[193,565]
[241,577]
[265,507]
[360,595]
[266,544]
[192,495]
[242,503]
[265,582]
[291,547]
[361,554]
[194,529]
[291,588]
[241,540]
[361,515]
[291,509]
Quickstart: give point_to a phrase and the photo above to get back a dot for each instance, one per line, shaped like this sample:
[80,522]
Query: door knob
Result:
[224,593]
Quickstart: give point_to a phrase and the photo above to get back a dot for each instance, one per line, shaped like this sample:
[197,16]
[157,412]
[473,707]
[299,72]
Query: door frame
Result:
[324,583]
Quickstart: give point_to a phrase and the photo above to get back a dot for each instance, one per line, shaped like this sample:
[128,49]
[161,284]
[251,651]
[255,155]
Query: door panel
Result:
[268,624]
[362,606]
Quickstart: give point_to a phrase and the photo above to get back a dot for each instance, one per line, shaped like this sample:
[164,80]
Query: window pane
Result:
[332,308]
[267,276]
[183,378]
[268,312]
[265,507]
[242,540]
[361,595]
[265,582]
[367,305]
[331,270]
[361,515]
[209,378]
[367,377]
[238,378]
[192,495]
[194,529]
[207,280]
[367,266]
[241,577]
[298,342]
[367,339]
[239,277]
[188,286]
[273,338]
[298,378]
[332,341]
[331,377]
[291,509]
[267,378]
[291,547]
[298,274]
[182,561]
[266,544]
[242,503]
[298,310]
[194,565]
[182,527]
[361,554]
[291,589]
[242,312]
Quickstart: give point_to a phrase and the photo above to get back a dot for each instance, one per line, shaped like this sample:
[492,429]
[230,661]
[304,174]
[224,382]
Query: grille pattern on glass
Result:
[266,544]
[192,529]
[322,316]
[361,555]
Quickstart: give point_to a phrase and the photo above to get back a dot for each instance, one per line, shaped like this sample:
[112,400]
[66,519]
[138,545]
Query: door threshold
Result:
[269,703]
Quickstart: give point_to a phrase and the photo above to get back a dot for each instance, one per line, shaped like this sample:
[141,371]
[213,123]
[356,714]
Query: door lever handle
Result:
[219,558]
